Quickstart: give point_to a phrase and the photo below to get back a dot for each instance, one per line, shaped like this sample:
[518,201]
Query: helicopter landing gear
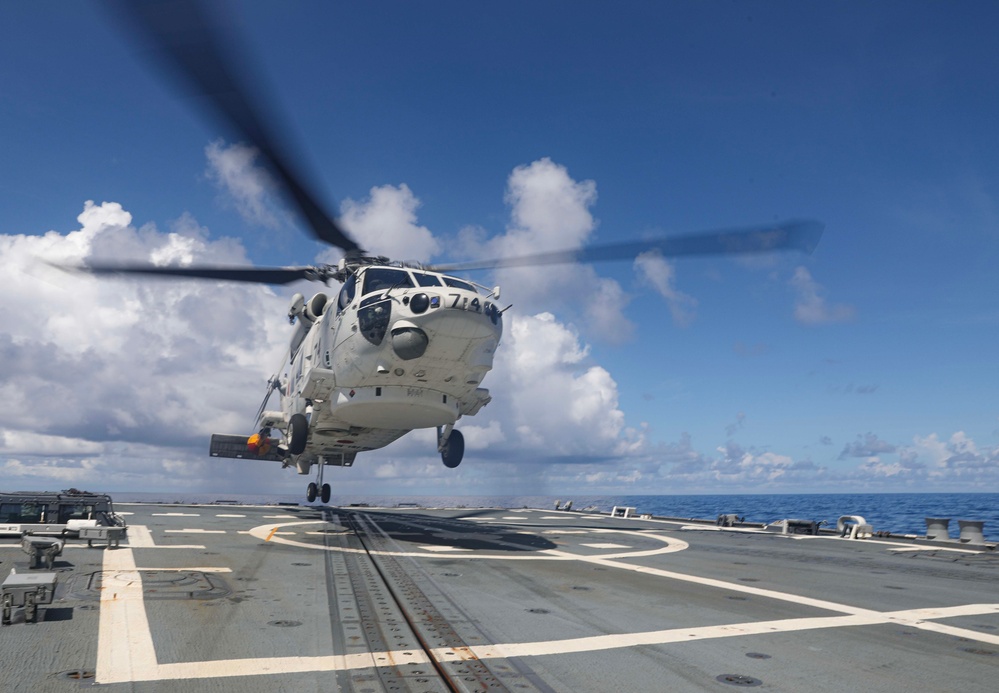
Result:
[451,444]
[298,433]
[318,488]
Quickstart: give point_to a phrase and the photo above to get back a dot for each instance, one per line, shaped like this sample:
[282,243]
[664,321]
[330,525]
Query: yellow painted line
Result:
[272,533]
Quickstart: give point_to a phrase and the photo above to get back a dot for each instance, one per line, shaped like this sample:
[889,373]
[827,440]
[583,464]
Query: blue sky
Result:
[869,365]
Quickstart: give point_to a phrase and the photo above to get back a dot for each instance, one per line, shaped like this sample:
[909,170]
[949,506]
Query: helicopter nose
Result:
[409,342]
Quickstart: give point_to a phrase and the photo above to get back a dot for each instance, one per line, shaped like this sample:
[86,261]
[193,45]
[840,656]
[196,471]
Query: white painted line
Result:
[606,546]
[567,531]
[199,569]
[914,617]
[223,668]
[672,544]
[124,513]
[194,531]
[139,537]
[439,548]
[513,517]
[280,517]
[930,548]
[124,643]
[553,517]
[176,514]
[230,516]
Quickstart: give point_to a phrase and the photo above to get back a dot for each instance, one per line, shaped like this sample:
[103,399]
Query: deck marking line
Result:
[125,649]
[281,665]
[194,531]
[271,534]
[913,617]
[733,586]
[266,533]
[199,569]
[176,514]
[139,537]
[230,516]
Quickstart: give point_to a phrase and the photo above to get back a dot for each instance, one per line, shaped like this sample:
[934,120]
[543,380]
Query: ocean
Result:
[899,513]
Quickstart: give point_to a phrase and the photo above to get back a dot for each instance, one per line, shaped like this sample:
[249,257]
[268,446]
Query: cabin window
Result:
[385,278]
[458,284]
[427,279]
[75,512]
[21,512]
[347,293]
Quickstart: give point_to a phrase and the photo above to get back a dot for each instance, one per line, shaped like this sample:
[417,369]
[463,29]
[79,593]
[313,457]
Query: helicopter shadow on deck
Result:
[460,533]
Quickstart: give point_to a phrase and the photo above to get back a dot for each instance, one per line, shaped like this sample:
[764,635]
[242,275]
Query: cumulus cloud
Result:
[733,466]
[386,223]
[555,402]
[550,211]
[86,363]
[811,307]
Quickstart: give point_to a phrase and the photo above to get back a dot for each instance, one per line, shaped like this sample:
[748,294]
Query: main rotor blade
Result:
[191,48]
[254,275]
[801,235]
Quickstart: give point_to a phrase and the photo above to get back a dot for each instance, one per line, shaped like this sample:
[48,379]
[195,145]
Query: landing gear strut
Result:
[451,444]
[318,488]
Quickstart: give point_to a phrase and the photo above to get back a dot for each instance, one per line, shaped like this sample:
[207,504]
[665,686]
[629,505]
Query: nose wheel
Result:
[314,489]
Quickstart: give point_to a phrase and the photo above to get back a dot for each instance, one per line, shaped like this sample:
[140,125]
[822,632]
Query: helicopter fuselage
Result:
[397,349]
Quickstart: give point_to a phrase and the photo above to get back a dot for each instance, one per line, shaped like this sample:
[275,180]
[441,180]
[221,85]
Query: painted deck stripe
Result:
[176,514]
[124,642]
[139,537]
[916,618]
[194,531]
[200,569]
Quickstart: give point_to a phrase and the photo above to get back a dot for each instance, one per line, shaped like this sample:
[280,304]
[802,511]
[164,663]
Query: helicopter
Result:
[400,346]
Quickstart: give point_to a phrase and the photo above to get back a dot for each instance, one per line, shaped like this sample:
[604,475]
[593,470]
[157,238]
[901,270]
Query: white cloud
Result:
[385,224]
[661,275]
[556,403]
[87,363]
[247,186]
[810,307]
[550,211]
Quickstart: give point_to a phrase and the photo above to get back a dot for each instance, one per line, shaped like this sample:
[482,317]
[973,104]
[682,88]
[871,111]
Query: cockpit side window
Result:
[347,293]
[458,284]
[385,278]
[427,279]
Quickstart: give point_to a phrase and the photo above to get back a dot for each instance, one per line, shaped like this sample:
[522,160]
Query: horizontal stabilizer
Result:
[223,445]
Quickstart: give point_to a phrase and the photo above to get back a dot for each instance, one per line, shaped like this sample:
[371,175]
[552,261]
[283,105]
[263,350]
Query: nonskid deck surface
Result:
[237,598]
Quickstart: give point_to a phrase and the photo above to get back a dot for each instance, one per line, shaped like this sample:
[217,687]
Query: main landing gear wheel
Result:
[312,491]
[326,493]
[454,450]
[298,433]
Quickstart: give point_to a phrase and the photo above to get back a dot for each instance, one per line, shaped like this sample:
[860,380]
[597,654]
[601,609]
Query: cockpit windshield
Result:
[384,278]
[458,284]
[427,279]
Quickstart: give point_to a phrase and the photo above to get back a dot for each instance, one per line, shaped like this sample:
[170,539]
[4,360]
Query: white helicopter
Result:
[401,346]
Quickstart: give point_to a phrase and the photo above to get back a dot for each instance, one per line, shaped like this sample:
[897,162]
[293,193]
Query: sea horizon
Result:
[895,512]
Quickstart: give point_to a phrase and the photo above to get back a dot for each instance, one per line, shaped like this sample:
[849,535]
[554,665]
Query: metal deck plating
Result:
[236,598]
